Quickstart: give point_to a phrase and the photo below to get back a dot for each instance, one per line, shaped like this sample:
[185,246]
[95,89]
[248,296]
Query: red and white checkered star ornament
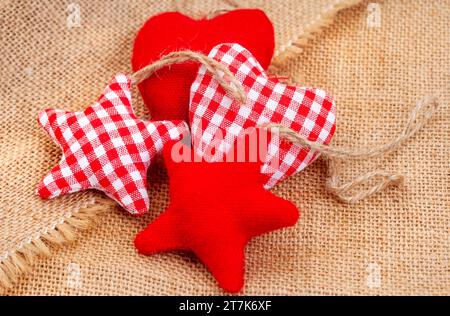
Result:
[217,120]
[106,147]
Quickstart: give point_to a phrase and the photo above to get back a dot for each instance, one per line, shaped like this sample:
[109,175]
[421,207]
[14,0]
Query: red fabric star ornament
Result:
[215,209]
[106,147]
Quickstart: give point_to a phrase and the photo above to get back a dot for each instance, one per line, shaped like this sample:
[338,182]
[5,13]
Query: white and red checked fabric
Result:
[217,120]
[106,147]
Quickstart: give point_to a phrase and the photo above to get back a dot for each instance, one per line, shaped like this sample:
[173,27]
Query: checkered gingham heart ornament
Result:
[308,111]
[106,147]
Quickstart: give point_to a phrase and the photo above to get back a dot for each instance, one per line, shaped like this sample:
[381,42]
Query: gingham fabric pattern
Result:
[106,147]
[217,120]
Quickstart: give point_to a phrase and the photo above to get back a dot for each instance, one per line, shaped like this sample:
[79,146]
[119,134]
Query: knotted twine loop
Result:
[220,72]
[345,192]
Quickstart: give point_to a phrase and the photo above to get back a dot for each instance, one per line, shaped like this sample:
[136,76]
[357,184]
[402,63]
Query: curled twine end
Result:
[374,181]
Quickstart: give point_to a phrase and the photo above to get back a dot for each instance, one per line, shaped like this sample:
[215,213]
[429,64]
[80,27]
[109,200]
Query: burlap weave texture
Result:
[397,242]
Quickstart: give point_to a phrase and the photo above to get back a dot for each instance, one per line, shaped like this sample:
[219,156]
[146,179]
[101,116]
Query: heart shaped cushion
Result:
[167,93]
[217,120]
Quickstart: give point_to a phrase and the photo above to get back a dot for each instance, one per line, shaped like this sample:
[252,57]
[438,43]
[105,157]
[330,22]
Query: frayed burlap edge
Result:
[19,261]
[317,24]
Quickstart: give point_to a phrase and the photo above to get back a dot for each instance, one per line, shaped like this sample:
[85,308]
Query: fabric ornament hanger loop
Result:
[221,73]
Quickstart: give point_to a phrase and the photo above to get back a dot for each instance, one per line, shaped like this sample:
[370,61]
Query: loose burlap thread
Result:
[394,243]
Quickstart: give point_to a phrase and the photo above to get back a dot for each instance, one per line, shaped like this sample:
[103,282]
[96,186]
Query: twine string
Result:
[347,192]
[214,13]
[374,181]
[181,6]
[418,117]
[220,72]
[371,182]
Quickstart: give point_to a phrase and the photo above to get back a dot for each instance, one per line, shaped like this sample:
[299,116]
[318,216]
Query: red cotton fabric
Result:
[166,94]
[106,147]
[215,209]
[217,120]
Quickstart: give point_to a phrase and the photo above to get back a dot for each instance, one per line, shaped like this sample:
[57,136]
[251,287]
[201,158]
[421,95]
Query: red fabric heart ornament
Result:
[167,93]
[217,120]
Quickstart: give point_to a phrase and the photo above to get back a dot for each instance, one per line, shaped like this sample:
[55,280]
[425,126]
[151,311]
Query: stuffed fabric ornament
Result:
[217,120]
[106,147]
[167,93]
[215,209]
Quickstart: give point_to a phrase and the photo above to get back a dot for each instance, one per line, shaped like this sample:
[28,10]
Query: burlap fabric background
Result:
[397,242]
